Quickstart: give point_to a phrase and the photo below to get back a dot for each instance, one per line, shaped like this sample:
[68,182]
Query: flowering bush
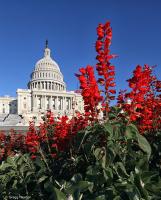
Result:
[143,103]
[81,158]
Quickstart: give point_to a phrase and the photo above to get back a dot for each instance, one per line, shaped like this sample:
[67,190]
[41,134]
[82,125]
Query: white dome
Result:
[47,73]
[46,63]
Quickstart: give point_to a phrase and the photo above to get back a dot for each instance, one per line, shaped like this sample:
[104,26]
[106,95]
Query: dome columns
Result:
[46,85]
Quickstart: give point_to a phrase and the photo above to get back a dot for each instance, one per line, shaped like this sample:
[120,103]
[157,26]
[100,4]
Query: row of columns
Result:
[48,85]
[52,102]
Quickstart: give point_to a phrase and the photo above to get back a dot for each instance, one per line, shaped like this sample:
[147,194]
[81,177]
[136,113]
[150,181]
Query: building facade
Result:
[46,91]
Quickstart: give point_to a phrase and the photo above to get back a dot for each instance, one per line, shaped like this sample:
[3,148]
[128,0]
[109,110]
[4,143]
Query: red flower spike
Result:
[142,103]
[104,68]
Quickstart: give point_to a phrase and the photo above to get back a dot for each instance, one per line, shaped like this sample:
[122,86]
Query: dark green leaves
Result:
[107,161]
[133,134]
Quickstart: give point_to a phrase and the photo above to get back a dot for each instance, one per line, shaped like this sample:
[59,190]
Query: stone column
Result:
[69,103]
[44,102]
[66,100]
[50,102]
[64,103]
[35,102]
[19,104]
[61,100]
[72,103]
[56,103]
[41,102]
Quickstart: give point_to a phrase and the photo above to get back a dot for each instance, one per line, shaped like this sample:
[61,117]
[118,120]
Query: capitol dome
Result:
[47,74]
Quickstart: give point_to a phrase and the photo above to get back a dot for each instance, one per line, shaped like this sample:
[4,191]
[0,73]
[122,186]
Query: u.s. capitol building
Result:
[46,91]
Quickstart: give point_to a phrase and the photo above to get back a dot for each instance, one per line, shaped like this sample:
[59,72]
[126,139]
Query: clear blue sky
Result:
[70,25]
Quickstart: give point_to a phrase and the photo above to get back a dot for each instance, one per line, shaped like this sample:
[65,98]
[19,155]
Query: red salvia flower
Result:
[104,68]
[143,103]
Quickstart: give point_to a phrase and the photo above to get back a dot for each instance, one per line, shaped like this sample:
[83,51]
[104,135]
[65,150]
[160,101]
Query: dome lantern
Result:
[47,50]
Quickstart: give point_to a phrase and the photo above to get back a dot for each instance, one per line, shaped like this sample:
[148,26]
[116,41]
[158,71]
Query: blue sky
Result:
[70,25]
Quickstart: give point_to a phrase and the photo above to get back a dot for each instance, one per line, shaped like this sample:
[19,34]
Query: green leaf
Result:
[108,128]
[81,186]
[55,193]
[100,154]
[121,171]
[117,198]
[84,185]
[76,178]
[4,166]
[144,144]
[102,197]
[58,195]
[42,179]
[131,131]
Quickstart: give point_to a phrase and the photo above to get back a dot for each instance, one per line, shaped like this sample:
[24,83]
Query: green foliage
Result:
[105,161]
